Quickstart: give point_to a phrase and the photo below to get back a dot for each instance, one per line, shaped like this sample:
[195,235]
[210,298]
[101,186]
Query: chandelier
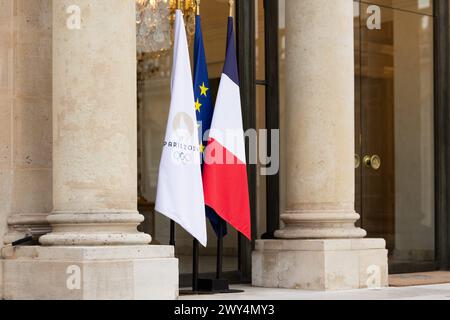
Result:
[154,24]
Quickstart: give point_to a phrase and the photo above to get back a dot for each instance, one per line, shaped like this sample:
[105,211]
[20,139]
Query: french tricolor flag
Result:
[225,172]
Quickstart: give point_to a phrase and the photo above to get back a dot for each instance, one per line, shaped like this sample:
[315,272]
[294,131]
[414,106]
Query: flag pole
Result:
[195,264]
[172,233]
[172,223]
[195,245]
[219,262]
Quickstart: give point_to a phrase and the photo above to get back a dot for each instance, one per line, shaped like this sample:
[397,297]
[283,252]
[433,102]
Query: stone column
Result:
[94,125]
[320,157]
[26,126]
[320,121]
[95,250]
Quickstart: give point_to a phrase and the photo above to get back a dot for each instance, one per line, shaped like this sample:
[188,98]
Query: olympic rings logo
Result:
[181,157]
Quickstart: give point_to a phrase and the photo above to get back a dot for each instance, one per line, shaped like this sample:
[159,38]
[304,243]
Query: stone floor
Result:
[435,292]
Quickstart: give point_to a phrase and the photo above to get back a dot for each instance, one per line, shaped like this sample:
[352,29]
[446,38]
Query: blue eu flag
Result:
[204,109]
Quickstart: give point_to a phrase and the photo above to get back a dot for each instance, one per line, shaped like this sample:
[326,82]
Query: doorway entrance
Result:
[395,158]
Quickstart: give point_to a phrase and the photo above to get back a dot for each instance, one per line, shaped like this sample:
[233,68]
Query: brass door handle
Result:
[373,162]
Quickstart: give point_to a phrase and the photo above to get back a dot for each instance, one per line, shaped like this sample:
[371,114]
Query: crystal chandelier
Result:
[154,24]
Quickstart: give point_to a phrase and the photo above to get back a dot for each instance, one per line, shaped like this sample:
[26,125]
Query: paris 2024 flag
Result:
[225,172]
[180,189]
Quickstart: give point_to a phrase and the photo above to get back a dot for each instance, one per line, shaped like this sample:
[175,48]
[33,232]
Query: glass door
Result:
[395,128]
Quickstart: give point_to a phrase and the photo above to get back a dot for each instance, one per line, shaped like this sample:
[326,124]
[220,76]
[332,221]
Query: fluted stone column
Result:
[322,247]
[95,250]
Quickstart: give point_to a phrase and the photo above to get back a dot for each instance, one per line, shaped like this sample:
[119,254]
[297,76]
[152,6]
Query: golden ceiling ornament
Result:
[155,23]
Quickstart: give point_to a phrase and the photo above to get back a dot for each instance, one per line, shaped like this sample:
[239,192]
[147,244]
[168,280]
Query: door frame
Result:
[246,50]
[442,133]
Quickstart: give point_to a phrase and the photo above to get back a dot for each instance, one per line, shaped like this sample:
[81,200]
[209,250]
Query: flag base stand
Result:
[211,286]
[214,286]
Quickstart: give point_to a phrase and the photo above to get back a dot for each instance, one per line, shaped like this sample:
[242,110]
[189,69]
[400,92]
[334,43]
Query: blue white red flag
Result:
[225,171]
[204,109]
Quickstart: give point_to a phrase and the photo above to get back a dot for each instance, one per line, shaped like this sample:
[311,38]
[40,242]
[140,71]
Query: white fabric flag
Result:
[180,188]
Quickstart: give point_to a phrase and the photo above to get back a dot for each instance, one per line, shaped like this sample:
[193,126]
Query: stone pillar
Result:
[320,115]
[26,124]
[95,250]
[94,125]
[320,159]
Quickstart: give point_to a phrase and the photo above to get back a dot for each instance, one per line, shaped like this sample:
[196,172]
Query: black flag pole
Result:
[172,223]
[219,261]
[218,284]
[195,265]
[195,245]
[172,233]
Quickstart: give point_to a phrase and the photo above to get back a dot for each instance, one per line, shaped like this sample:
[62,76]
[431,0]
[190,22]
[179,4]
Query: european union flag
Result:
[204,109]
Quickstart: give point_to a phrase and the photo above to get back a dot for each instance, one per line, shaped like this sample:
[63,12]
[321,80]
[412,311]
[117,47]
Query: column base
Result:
[320,224]
[95,229]
[320,264]
[23,225]
[90,273]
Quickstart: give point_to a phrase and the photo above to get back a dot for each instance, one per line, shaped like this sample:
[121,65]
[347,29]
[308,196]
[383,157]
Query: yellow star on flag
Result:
[204,90]
[198,105]
[202,148]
